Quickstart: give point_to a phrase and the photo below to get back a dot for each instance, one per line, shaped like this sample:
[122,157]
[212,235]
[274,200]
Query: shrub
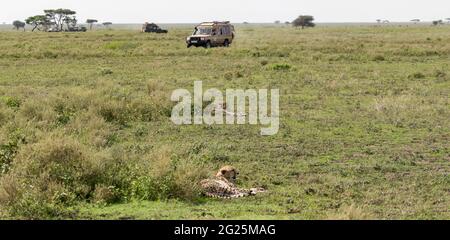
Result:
[106,71]
[116,45]
[113,111]
[170,177]
[9,150]
[12,102]
[4,115]
[106,194]
[228,76]
[417,75]
[186,177]
[281,67]
[239,74]
[38,111]
[57,172]
[121,109]
[378,58]
[64,114]
[48,54]
[91,127]
[304,21]
[30,204]
[7,153]
[46,176]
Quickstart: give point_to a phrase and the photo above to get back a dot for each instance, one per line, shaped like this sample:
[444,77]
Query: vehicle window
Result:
[226,30]
[202,31]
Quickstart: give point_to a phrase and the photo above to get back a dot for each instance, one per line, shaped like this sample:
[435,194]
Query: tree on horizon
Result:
[18,25]
[91,23]
[39,22]
[304,21]
[58,16]
[107,24]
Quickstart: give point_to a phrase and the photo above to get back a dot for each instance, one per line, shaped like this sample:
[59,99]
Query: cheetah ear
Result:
[223,172]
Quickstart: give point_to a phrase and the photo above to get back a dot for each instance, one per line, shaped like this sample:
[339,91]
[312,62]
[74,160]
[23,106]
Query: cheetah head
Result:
[228,172]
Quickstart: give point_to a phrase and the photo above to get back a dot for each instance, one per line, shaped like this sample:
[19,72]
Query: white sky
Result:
[192,11]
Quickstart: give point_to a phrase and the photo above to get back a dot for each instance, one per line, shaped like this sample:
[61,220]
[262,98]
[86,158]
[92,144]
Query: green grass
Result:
[364,132]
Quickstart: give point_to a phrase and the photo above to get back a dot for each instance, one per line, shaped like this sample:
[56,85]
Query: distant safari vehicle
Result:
[151,27]
[211,34]
[69,29]
[76,29]
[53,29]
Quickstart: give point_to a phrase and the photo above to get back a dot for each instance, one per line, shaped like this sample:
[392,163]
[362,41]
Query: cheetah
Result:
[223,185]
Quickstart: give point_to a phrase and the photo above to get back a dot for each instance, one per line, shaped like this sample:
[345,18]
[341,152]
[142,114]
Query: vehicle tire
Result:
[208,44]
[226,43]
[189,45]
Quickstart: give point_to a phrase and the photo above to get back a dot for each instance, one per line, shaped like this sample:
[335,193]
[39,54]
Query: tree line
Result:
[301,21]
[56,20]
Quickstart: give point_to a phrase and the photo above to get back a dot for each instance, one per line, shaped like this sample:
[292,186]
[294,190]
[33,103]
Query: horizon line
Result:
[243,22]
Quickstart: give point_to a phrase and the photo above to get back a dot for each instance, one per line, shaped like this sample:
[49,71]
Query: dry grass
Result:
[351,213]
[84,122]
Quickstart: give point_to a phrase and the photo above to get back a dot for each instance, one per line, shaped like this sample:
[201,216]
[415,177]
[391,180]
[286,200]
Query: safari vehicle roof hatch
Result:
[213,23]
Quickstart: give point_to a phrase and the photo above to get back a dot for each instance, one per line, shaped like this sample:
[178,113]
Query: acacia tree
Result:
[91,22]
[304,21]
[58,16]
[38,22]
[438,22]
[107,24]
[18,25]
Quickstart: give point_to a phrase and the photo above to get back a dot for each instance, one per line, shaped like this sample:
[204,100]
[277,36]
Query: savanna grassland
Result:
[85,128]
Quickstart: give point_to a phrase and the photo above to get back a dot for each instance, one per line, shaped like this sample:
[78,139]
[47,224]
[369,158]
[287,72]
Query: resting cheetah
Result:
[223,185]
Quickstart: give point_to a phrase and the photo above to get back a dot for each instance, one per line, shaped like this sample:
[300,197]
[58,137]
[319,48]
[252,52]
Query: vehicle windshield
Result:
[202,31]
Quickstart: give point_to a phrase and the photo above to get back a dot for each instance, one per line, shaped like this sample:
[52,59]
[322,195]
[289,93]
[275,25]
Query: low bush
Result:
[169,177]
[417,75]
[52,172]
[12,102]
[105,71]
[119,45]
[281,67]
[379,58]
[9,149]
[48,177]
